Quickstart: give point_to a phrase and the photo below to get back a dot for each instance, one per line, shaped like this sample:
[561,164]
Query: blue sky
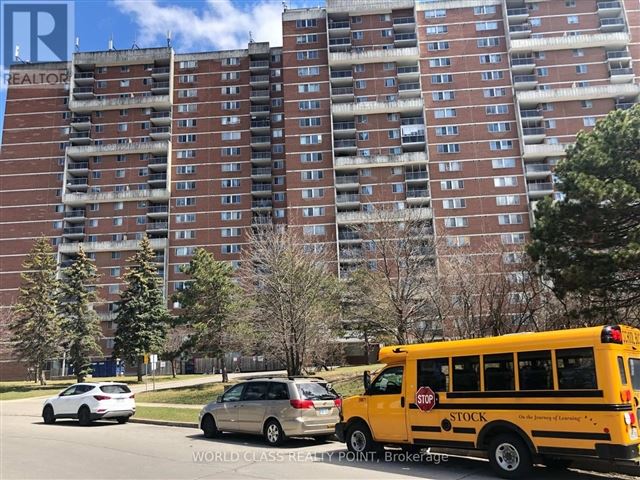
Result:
[196,25]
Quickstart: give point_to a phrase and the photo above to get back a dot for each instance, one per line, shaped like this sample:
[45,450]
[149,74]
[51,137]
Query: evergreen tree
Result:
[207,303]
[35,327]
[588,243]
[80,326]
[142,314]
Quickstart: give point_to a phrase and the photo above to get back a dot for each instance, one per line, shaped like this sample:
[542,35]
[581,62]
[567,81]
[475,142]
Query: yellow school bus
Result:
[550,397]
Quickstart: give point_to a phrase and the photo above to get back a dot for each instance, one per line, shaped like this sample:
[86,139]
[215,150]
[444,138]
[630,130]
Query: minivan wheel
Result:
[273,433]
[84,416]
[209,427]
[48,416]
[359,439]
[510,457]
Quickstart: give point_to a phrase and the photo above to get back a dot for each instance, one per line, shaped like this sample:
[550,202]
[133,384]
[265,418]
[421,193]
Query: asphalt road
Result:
[30,449]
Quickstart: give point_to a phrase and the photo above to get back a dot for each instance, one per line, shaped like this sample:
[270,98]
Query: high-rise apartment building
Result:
[454,112]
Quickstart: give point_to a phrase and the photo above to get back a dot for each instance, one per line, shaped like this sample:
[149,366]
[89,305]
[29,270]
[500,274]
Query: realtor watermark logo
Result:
[35,32]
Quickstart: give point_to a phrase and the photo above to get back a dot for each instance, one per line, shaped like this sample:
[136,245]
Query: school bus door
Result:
[386,405]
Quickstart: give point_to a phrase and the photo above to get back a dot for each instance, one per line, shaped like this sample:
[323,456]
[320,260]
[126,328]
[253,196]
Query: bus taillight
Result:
[630,418]
[625,395]
[611,334]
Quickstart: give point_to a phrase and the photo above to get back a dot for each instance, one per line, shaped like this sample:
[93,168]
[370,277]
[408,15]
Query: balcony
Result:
[260,111]
[409,89]
[608,25]
[410,72]
[539,189]
[342,94]
[347,182]
[401,40]
[160,88]
[261,173]
[259,80]
[160,118]
[260,126]
[348,200]
[525,82]
[83,93]
[81,122]
[73,232]
[259,96]
[344,129]
[261,221]
[517,15]
[261,205]
[157,211]
[621,74]
[161,73]
[75,184]
[404,24]
[156,178]
[342,44]
[534,97]
[75,215]
[349,255]
[345,145]
[622,55]
[157,194]
[420,195]
[160,133]
[261,158]
[157,227]
[262,141]
[353,163]
[76,168]
[117,102]
[409,106]
[125,245]
[83,78]
[157,163]
[349,236]
[259,65]
[261,189]
[533,134]
[341,77]
[117,149]
[537,170]
[524,63]
[531,115]
[543,150]
[407,214]
[80,138]
[413,140]
[624,105]
[378,55]
[569,42]
[522,30]
[609,9]
[339,27]
[416,176]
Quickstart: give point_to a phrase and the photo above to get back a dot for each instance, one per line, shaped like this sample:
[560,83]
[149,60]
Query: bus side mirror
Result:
[366,380]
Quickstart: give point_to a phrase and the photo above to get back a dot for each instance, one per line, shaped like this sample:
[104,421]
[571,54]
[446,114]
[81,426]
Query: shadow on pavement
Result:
[75,423]
[256,441]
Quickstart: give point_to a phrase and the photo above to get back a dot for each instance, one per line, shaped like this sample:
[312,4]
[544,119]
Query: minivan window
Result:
[314,391]
[388,382]
[466,374]
[115,389]
[233,394]
[255,391]
[278,391]
[576,369]
[634,371]
[498,372]
[535,370]
[434,373]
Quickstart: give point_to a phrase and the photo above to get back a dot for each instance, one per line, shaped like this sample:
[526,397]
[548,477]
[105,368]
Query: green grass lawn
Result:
[345,380]
[168,414]
[17,390]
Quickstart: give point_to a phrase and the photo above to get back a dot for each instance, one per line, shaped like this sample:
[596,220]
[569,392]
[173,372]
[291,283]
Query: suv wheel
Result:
[122,419]
[510,457]
[359,439]
[48,416]
[84,416]
[209,427]
[273,433]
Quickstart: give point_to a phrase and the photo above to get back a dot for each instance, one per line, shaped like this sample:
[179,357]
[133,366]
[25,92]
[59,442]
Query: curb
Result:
[163,423]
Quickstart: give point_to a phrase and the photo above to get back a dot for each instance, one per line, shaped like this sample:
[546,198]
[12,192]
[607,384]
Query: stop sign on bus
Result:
[425,399]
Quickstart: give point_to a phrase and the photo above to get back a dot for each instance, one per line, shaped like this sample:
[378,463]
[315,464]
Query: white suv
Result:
[91,401]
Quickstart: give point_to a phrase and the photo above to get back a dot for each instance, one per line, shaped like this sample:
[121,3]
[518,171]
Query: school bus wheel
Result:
[359,439]
[509,456]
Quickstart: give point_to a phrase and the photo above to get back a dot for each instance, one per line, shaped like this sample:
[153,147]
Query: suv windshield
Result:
[314,391]
[115,389]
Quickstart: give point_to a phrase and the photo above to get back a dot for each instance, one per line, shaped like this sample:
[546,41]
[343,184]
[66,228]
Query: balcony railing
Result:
[404,70]
[348,198]
[345,143]
[398,37]
[404,20]
[413,139]
[157,160]
[158,209]
[259,64]
[74,213]
[341,74]
[338,25]
[348,236]
[160,70]
[157,177]
[258,187]
[402,87]
[621,71]
[344,125]
[530,113]
[419,193]
[78,181]
[412,121]
[157,115]
[260,171]
[533,131]
[342,91]
[261,204]
[540,187]
[538,168]
[78,165]
[617,54]
[260,124]
[157,225]
[260,109]
[513,12]
[73,231]
[420,175]
[347,179]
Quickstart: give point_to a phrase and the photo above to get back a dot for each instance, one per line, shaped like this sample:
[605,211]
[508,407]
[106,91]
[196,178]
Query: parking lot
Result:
[31,449]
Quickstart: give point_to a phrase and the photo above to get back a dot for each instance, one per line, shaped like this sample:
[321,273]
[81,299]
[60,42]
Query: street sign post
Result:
[154,362]
[425,399]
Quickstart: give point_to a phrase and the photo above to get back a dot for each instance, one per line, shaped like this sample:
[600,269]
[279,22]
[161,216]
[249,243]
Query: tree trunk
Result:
[173,367]
[223,369]
[43,378]
[140,364]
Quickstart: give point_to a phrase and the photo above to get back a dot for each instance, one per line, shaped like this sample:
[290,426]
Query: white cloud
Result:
[216,25]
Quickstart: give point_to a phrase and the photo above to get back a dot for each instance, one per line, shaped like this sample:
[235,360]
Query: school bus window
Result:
[576,369]
[434,373]
[389,382]
[498,372]
[634,371]
[466,374]
[623,373]
[534,369]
